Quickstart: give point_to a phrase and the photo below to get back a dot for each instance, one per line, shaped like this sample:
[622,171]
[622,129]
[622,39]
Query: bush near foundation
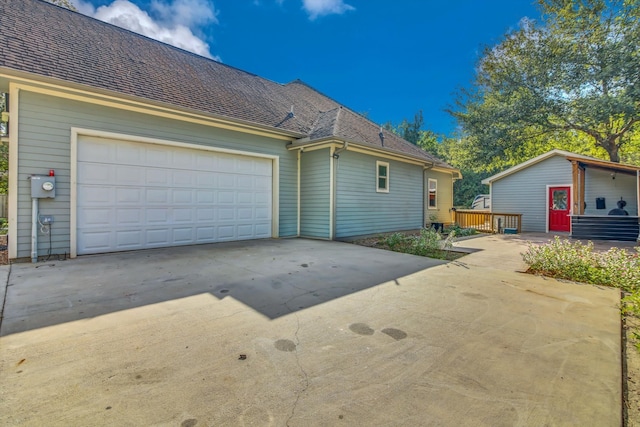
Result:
[428,243]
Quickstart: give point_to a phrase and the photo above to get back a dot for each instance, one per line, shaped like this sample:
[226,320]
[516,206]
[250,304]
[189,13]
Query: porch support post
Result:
[575,177]
[582,171]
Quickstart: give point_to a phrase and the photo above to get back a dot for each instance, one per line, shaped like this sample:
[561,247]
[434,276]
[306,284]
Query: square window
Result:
[382,177]
[432,195]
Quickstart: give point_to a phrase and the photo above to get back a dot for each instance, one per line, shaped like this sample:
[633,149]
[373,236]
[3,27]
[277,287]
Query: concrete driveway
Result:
[305,333]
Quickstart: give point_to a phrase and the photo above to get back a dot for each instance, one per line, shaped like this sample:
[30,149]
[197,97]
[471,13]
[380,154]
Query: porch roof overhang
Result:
[579,166]
[603,164]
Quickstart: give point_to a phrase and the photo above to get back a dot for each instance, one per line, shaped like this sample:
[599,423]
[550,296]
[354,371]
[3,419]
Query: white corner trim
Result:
[14,106]
[73,196]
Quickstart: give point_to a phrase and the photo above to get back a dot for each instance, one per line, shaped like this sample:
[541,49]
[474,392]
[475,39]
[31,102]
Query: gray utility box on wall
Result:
[43,186]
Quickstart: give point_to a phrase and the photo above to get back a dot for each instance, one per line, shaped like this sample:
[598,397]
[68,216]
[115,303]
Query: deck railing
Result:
[488,222]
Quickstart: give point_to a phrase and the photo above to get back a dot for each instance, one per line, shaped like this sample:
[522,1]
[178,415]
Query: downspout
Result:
[335,155]
[332,192]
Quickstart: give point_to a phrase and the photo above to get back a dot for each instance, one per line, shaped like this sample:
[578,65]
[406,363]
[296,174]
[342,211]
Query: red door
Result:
[559,208]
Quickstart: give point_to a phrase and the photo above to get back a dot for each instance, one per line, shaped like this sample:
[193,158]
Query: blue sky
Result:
[383,58]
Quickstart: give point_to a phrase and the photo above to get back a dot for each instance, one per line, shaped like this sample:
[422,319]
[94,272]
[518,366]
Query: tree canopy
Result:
[64,3]
[573,77]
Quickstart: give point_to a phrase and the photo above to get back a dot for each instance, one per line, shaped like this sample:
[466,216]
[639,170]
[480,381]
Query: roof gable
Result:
[531,162]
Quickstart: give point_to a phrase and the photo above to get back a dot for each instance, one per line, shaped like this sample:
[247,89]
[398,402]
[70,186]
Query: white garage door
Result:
[135,195]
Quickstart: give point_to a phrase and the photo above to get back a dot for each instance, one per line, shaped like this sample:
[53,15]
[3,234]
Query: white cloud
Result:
[172,22]
[316,8]
[190,13]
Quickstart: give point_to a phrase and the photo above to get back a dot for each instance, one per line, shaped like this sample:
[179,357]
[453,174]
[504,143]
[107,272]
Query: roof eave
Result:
[307,143]
[32,78]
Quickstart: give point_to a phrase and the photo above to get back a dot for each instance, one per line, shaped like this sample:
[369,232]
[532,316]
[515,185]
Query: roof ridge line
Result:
[335,123]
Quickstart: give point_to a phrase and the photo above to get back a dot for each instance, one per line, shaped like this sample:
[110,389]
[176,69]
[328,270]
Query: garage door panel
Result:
[157,177]
[205,197]
[95,195]
[158,237]
[157,216]
[129,217]
[158,157]
[128,195]
[226,197]
[128,175]
[96,150]
[183,215]
[182,178]
[95,241]
[205,215]
[96,173]
[129,154]
[205,234]
[226,232]
[156,196]
[96,217]
[206,179]
[135,195]
[263,230]
[128,239]
[226,214]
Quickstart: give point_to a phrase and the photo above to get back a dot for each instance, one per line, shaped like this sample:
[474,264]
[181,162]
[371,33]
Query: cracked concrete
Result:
[359,336]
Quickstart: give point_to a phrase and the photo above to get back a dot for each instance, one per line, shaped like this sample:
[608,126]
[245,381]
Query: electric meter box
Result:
[43,186]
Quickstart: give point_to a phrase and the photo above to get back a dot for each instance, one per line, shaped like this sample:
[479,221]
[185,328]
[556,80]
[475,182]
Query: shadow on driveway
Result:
[274,277]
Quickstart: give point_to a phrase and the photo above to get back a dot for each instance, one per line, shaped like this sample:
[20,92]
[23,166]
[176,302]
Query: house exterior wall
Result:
[444,197]
[599,183]
[525,191]
[315,194]
[361,210]
[44,134]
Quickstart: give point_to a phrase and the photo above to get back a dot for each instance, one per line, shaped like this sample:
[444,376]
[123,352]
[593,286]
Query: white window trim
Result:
[378,189]
[430,180]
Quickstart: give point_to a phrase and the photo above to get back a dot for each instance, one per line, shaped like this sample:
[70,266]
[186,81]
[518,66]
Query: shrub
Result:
[575,261]
[428,243]
[461,232]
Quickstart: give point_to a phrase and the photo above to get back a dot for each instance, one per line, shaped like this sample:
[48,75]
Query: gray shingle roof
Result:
[43,39]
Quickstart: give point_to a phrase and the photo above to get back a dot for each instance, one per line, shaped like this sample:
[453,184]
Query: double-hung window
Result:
[432,195]
[382,177]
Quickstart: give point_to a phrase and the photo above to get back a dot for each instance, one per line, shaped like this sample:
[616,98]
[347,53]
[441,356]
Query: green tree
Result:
[64,3]
[409,131]
[576,74]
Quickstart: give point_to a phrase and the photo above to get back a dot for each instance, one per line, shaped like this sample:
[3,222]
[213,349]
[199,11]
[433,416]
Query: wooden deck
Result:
[488,222]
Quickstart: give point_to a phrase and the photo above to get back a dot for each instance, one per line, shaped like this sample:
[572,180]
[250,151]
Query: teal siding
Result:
[315,194]
[44,135]
[525,191]
[360,210]
[444,196]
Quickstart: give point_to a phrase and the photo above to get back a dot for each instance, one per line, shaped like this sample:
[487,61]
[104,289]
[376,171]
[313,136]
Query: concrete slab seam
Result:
[306,376]
[4,297]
